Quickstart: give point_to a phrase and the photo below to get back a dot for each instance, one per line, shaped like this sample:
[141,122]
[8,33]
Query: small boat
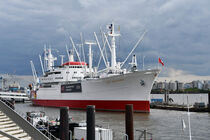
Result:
[13,92]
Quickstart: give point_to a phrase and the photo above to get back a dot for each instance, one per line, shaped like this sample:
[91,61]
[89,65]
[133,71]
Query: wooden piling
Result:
[90,122]
[28,116]
[129,121]
[145,134]
[64,123]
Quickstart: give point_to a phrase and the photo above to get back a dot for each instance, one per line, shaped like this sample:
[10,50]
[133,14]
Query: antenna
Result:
[90,43]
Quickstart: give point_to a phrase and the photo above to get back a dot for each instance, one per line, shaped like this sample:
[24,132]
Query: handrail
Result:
[22,122]
[8,135]
[47,133]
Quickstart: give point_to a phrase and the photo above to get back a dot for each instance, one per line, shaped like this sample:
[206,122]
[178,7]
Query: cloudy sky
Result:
[178,31]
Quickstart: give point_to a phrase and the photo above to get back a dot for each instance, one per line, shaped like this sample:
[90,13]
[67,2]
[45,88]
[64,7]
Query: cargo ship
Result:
[77,84]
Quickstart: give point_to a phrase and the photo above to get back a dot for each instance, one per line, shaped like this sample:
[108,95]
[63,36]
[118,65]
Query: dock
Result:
[178,107]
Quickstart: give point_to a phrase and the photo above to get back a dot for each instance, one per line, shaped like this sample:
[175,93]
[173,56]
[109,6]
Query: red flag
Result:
[160,61]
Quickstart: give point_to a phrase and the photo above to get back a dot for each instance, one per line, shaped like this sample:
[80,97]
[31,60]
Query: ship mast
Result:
[50,60]
[90,43]
[112,34]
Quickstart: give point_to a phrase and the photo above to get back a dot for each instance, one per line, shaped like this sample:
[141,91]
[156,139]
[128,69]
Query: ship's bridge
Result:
[70,71]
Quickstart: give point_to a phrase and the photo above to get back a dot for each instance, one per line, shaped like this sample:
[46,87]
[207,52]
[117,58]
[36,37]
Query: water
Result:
[163,124]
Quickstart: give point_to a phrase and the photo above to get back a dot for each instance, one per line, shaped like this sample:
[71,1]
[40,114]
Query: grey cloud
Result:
[178,30]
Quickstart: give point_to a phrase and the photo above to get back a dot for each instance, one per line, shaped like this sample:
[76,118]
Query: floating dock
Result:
[178,107]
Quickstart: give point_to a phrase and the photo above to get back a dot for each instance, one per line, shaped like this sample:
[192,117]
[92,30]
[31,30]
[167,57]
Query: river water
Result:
[163,124]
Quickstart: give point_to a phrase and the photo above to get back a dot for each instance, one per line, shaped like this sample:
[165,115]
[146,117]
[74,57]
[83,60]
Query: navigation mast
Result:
[112,34]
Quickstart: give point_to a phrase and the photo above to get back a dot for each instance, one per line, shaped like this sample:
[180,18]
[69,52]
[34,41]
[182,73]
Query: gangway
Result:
[15,127]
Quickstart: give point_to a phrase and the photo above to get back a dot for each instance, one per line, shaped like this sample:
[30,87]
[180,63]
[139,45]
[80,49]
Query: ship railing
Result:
[103,124]
[139,135]
[120,135]
[46,132]
[144,135]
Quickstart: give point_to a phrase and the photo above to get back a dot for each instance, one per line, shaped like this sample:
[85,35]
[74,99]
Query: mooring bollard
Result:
[90,122]
[129,122]
[64,123]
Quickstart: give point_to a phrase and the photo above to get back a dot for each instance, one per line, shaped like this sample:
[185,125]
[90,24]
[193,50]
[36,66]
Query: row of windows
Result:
[75,66]
[49,73]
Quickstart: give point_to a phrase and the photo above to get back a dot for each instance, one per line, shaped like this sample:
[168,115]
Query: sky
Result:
[178,31]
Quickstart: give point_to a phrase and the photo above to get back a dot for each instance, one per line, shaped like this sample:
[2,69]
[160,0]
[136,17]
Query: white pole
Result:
[90,58]
[83,51]
[90,54]
[40,58]
[45,56]
[67,51]
[188,113]
[62,56]
[143,63]
[113,48]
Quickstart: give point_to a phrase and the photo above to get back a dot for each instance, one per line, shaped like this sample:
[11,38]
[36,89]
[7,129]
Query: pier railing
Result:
[144,135]
[20,119]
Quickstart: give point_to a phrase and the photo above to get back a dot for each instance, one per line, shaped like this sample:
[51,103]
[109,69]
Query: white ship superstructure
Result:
[77,84]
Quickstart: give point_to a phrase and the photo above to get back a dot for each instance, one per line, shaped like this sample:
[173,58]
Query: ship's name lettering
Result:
[69,86]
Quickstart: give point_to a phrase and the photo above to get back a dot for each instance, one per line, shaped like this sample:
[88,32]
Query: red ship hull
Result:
[112,105]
